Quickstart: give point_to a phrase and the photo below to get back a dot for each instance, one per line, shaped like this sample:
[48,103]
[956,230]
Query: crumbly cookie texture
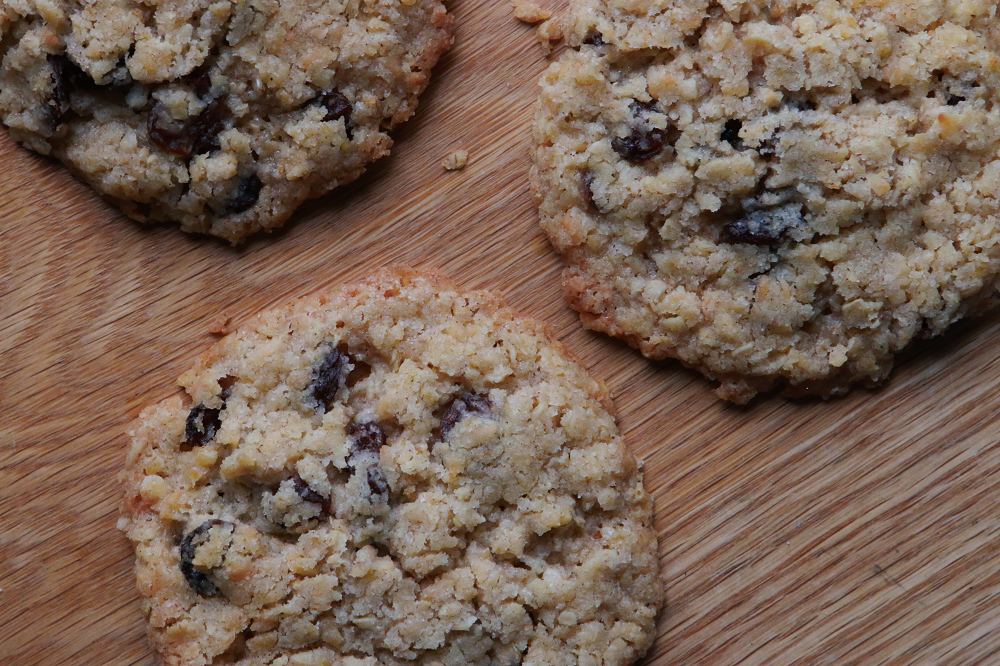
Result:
[223,116]
[780,194]
[549,32]
[392,473]
[529,12]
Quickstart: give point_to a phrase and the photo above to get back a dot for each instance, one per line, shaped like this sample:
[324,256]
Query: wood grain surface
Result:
[864,530]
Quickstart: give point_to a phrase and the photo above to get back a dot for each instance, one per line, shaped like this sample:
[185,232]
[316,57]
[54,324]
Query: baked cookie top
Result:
[223,116]
[780,194]
[396,473]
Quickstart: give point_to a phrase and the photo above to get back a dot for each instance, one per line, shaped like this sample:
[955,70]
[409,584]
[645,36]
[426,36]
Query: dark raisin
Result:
[459,407]
[307,494]
[196,136]
[953,100]
[765,227]
[376,481]
[303,490]
[200,79]
[644,140]
[206,127]
[639,108]
[202,424]
[337,106]
[731,133]
[59,101]
[586,189]
[328,378]
[246,195]
[479,404]
[198,581]
[368,436]
[641,144]
[66,77]
[167,133]
[594,39]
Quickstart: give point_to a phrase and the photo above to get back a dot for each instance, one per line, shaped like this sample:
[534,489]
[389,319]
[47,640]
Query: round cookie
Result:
[223,116]
[395,473]
[781,195]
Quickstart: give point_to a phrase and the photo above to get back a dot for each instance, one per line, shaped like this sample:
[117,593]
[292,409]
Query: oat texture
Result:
[782,195]
[392,473]
[221,115]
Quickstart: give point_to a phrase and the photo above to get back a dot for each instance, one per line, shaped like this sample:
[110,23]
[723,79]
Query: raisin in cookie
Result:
[393,473]
[779,194]
[223,116]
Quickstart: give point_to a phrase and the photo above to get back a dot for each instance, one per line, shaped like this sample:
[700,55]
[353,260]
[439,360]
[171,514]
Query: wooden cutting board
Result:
[864,530]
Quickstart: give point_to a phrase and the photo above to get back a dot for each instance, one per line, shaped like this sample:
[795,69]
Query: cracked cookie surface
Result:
[395,473]
[782,195]
[223,116]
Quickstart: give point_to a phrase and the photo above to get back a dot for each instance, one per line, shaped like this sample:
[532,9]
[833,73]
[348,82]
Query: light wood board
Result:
[864,530]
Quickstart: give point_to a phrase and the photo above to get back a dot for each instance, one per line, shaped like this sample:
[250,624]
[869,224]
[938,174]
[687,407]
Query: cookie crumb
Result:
[549,32]
[529,12]
[221,325]
[457,159]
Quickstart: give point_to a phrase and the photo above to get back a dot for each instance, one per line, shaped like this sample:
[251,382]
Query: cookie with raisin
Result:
[780,195]
[394,472]
[220,116]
